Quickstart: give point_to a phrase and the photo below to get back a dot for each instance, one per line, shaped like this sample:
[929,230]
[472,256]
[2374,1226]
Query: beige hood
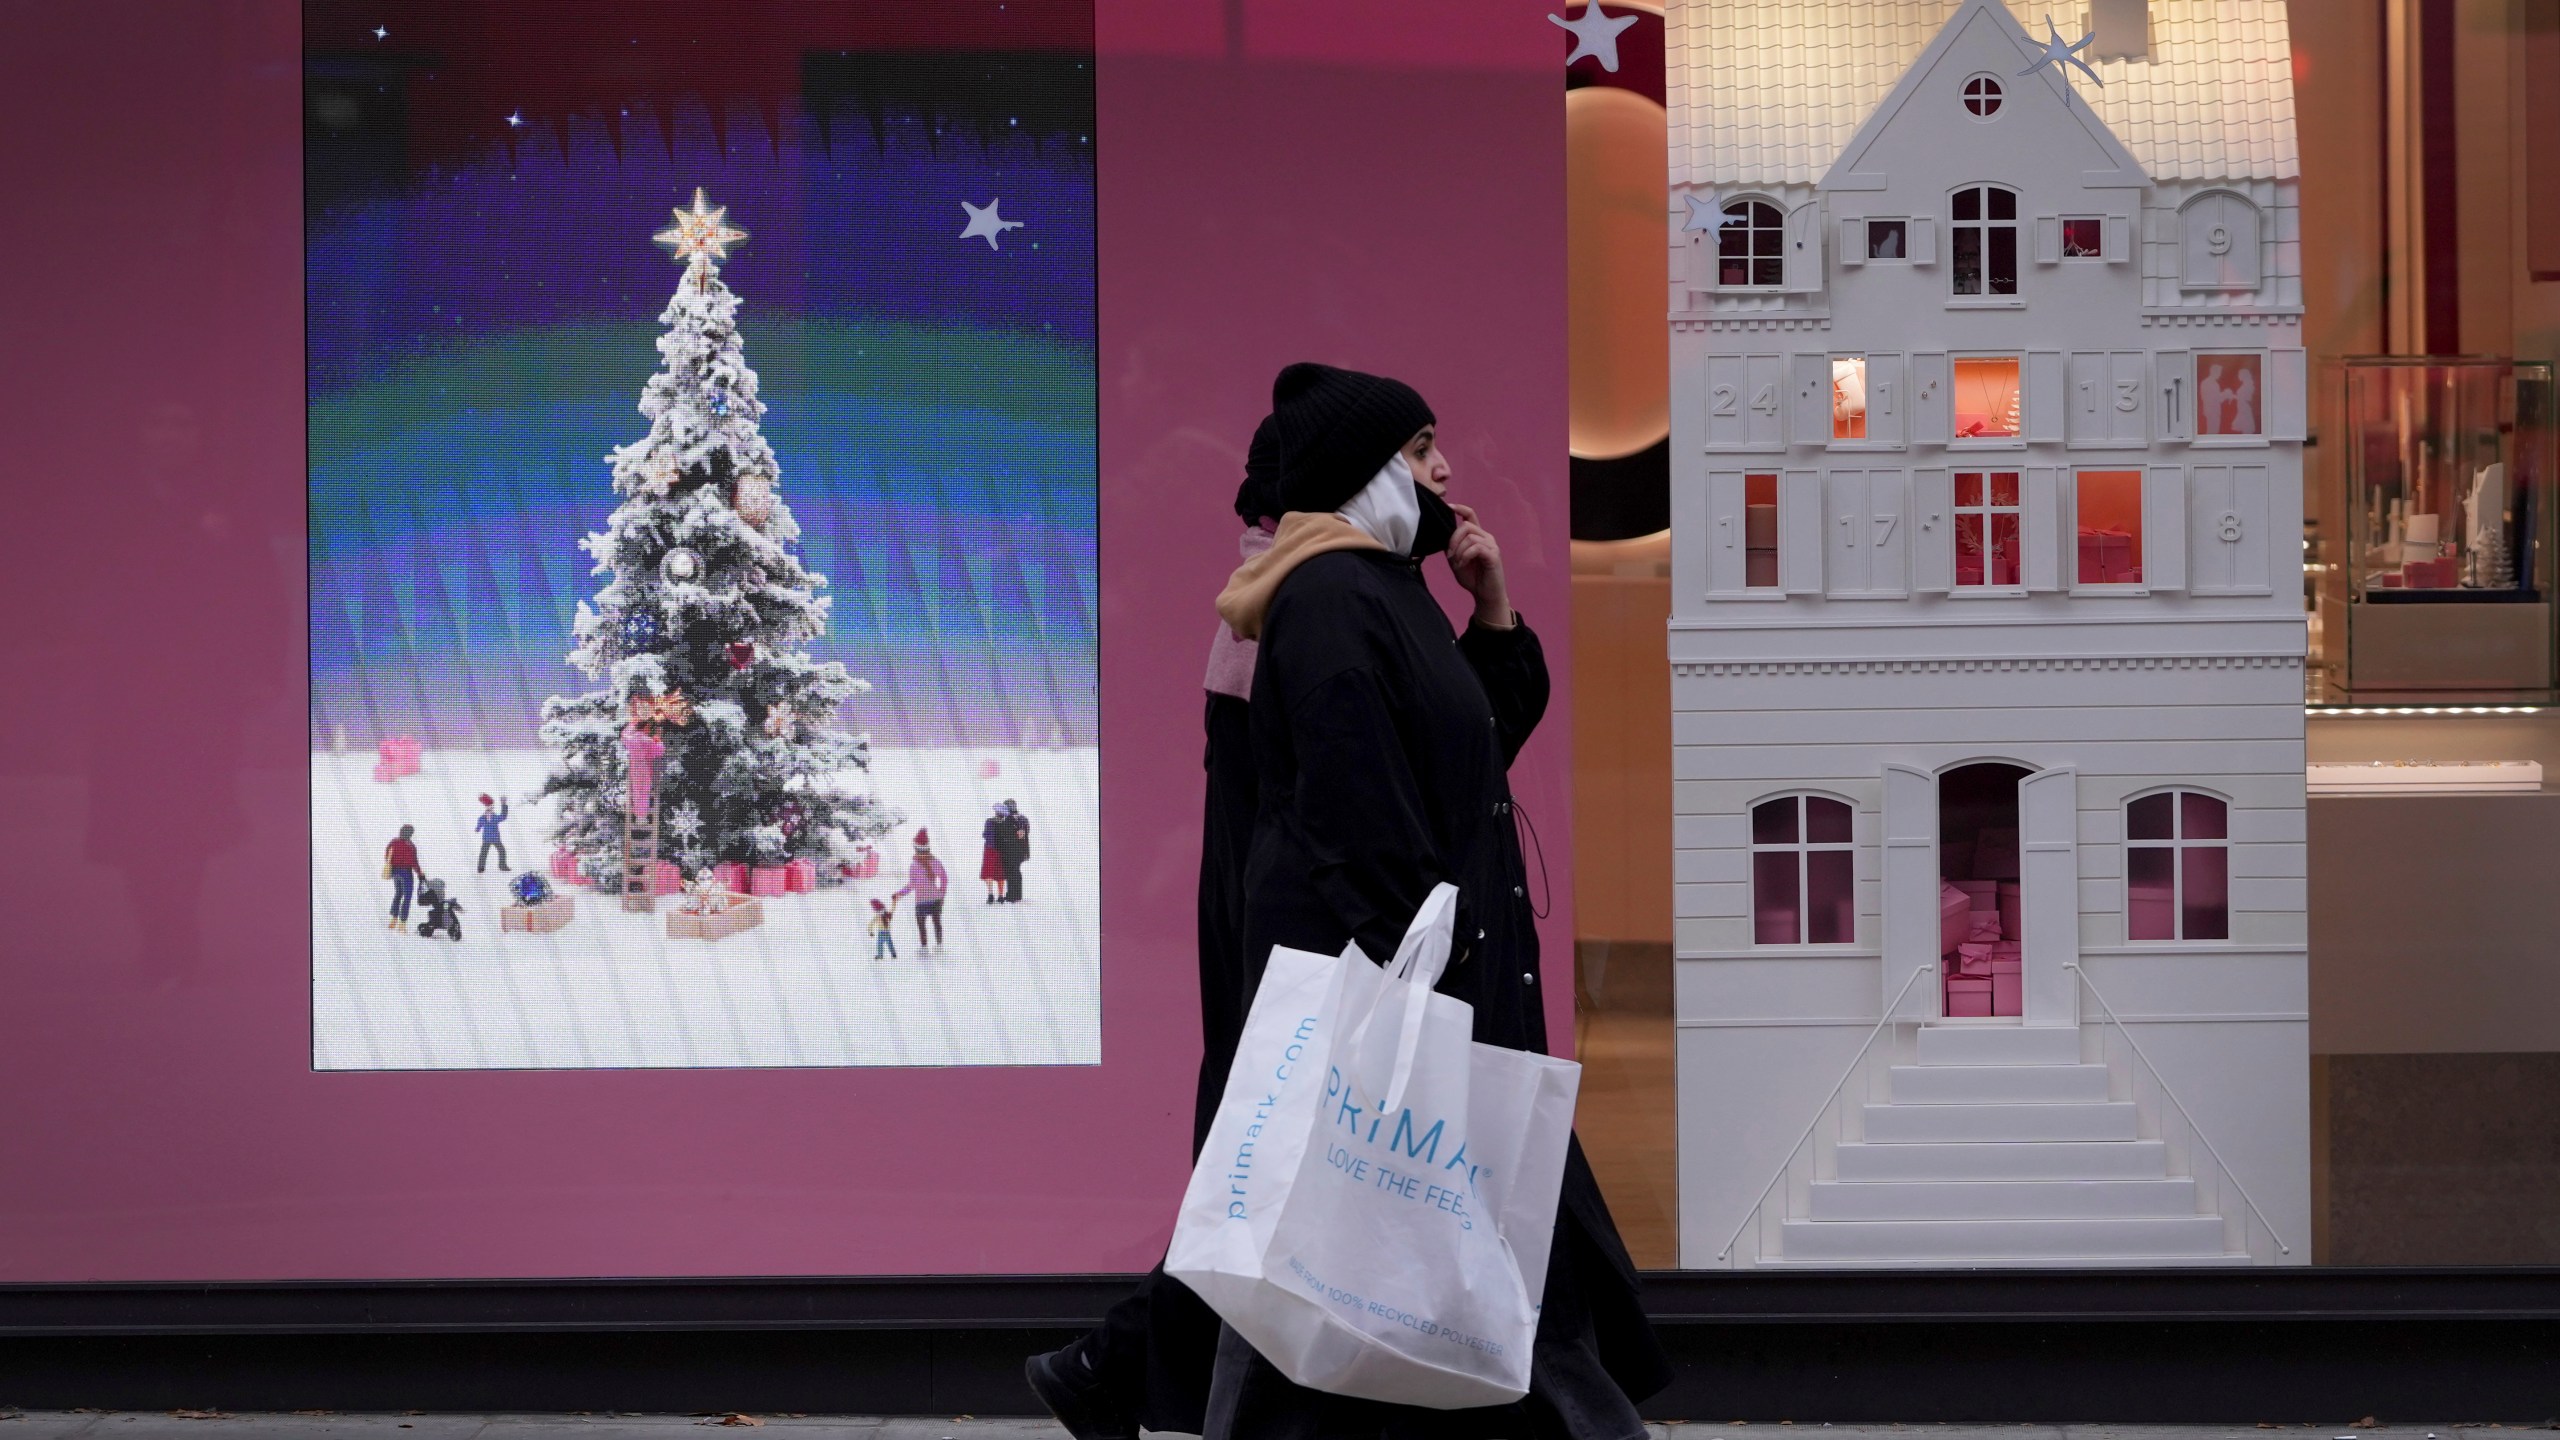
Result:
[1303,535]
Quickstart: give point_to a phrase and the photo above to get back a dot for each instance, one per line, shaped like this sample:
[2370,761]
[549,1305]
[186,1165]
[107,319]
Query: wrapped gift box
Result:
[1955,917]
[1973,959]
[2012,911]
[564,866]
[800,877]
[766,880]
[396,757]
[864,865]
[551,914]
[2438,574]
[1982,925]
[736,913]
[2007,996]
[665,878]
[1995,853]
[1982,895]
[1968,997]
[731,875]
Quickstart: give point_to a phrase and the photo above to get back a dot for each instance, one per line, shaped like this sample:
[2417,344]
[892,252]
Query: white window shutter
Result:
[1910,885]
[1929,399]
[1920,239]
[2048,239]
[1726,563]
[1888,535]
[2045,409]
[2116,246]
[1804,248]
[2040,529]
[2164,528]
[1800,532]
[1844,539]
[2173,384]
[1887,401]
[1809,399]
[1932,527]
[1853,241]
[2092,420]
[2288,395]
[2126,399]
[2049,895]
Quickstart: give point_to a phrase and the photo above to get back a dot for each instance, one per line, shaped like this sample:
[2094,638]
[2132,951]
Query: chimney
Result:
[2123,28]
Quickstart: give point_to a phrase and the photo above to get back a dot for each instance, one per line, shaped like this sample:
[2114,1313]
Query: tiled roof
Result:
[1767,92]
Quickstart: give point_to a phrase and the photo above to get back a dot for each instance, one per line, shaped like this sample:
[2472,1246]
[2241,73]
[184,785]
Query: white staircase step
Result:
[1911,1124]
[2001,1199]
[2017,1084]
[2181,1237]
[2076,1160]
[1999,1045]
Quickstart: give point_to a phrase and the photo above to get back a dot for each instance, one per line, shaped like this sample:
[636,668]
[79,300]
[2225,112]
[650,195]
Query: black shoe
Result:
[1082,1408]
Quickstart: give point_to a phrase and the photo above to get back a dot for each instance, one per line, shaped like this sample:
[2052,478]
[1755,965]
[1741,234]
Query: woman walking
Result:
[991,859]
[1383,741]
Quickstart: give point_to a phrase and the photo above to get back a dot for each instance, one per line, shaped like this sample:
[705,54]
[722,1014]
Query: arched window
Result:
[1751,246]
[2177,866]
[1985,231]
[1803,872]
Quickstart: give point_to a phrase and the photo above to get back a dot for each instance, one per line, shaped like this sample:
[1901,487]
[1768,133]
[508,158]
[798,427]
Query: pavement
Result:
[207,1425]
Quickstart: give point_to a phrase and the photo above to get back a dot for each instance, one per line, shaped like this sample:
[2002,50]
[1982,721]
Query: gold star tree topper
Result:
[701,234]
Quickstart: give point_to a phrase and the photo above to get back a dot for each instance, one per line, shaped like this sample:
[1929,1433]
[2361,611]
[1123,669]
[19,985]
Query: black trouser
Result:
[1012,879]
[498,845]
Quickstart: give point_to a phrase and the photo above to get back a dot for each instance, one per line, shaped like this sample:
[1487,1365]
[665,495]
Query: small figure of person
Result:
[928,881]
[996,835]
[2210,395]
[641,747]
[492,815]
[1016,849]
[400,867]
[884,939]
[2244,404]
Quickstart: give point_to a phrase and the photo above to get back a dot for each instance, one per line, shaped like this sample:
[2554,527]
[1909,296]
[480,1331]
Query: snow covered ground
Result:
[1013,984]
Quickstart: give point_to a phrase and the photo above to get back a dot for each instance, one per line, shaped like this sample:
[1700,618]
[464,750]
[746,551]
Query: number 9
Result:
[2218,240]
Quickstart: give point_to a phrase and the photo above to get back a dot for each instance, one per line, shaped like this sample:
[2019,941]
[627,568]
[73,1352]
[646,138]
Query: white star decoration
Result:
[985,224]
[379,33]
[701,234]
[514,118]
[1705,214]
[1595,34]
[2057,53]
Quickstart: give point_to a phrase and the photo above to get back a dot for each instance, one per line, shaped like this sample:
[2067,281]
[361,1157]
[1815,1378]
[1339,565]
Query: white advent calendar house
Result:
[1987,639]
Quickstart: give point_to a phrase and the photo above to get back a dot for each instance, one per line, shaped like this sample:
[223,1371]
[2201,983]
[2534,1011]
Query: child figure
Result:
[884,942]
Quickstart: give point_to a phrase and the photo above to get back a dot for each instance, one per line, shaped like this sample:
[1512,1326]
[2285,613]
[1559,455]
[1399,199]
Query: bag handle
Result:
[1420,961]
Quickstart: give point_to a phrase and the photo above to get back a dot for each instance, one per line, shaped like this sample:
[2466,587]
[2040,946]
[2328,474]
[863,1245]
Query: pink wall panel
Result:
[1388,197]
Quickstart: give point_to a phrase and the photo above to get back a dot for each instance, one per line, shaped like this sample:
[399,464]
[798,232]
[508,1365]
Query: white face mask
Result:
[1386,509]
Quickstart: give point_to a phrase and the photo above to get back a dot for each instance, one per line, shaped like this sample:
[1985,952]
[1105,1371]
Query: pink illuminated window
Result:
[2177,867]
[1986,399]
[1803,872]
[1986,529]
[1760,532]
[2109,504]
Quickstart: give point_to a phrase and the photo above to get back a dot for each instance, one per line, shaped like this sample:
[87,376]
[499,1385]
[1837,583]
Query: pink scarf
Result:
[1230,654]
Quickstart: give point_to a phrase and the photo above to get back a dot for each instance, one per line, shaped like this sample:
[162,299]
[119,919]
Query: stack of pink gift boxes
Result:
[797,877]
[2106,557]
[1978,913]
[396,757]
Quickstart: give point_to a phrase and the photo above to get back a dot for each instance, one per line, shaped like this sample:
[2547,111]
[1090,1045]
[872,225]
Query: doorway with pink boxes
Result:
[1979,900]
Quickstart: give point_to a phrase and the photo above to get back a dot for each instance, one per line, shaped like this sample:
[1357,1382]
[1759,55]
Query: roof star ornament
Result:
[1595,34]
[702,234]
[985,224]
[2057,53]
[1705,214]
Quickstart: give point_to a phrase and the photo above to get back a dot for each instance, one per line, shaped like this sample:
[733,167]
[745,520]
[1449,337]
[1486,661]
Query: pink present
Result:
[1981,895]
[865,865]
[395,757]
[1968,998]
[2006,957]
[766,880]
[1973,959]
[800,876]
[2442,573]
[731,876]
[1995,854]
[564,866]
[1955,915]
[1982,925]
[665,878]
[2007,996]
[2012,908]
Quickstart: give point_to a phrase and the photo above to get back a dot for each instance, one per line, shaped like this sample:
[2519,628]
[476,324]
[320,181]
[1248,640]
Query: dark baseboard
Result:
[2206,1347]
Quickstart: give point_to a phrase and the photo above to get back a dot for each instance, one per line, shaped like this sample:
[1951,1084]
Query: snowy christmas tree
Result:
[713,739]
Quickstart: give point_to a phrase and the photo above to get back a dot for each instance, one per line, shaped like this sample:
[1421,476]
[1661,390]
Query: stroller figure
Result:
[443,912]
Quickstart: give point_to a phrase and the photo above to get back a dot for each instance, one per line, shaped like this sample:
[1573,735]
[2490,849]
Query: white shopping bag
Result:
[1373,1206]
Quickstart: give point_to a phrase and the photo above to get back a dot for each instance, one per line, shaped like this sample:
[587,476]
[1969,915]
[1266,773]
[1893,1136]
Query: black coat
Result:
[1383,743]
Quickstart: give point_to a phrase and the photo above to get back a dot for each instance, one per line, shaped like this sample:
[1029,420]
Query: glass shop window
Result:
[2230,395]
[2083,237]
[1986,241]
[1888,239]
[1803,872]
[1760,532]
[1986,400]
[1986,529]
[2109,506]
[1751,246]
[1849,397]
[2177,867]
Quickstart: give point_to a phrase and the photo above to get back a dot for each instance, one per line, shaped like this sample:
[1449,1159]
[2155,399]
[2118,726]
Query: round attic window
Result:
[1982,97]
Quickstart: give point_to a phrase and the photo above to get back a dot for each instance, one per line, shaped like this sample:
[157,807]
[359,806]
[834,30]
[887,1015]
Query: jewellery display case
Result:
[2441,583]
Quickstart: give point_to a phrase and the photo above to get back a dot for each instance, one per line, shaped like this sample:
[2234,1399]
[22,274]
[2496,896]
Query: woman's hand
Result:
[1475,558]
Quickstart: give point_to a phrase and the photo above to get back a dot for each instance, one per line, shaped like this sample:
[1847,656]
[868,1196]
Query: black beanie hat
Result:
[1259,495]
[1337,429]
